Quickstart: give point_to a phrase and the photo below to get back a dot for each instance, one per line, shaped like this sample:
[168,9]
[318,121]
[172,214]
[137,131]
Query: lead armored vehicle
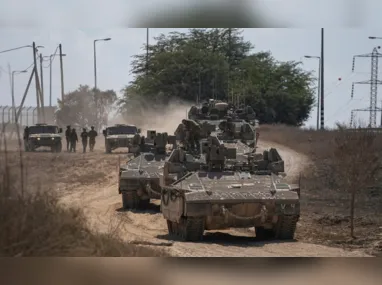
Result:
[216,192]
[141,178]
[119,136]
[43,135]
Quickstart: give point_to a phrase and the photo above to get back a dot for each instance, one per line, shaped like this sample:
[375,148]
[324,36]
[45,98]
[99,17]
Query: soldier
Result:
[230,127]
[73,140]
[92,135]
[67,136]
[142,144]
[193,133]
[84,136]
[26,133]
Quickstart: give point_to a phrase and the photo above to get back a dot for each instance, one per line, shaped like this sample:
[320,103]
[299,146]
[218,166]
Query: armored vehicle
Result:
[232,132]
[140,179]
[213,110]
[119,135]
[210,110]
[43,135]
[217,192]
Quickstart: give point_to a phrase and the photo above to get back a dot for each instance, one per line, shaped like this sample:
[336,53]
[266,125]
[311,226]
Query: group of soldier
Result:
[72,139]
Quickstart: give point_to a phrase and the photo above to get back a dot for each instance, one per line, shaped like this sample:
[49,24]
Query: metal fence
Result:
[28,115]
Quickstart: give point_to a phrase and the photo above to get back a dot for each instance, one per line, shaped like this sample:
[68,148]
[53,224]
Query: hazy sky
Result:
[113,57]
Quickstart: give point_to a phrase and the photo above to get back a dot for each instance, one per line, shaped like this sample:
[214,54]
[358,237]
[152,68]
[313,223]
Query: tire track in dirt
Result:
[101,204]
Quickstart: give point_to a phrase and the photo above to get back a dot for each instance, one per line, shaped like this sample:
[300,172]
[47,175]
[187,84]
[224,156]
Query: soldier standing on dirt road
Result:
[84,136]
[92,135]
[67,136]
[73,140]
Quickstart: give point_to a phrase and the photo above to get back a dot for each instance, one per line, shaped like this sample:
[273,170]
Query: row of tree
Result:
[201,64]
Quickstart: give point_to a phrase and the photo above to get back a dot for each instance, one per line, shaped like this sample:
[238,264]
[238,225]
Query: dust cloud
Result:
[161,118]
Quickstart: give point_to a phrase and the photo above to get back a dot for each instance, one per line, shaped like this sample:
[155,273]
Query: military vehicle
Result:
[232,132]
[119,135]
[210,110]
[140,179]
[214,110]
[43,135]
[216,192]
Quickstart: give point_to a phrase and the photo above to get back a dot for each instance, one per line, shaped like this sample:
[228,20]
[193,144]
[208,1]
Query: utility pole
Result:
[200,90]
[229,61]
[147,52]
[51,57]
[95,64]
[42,81]
[373,82]
[62,73]
[95,59]
[36,80]
[318,88]
[50,80]
[322,79]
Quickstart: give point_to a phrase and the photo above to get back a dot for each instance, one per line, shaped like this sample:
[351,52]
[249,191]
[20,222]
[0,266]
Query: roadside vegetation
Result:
[342,191]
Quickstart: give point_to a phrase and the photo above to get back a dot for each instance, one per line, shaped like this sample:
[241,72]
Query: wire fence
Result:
[28,115]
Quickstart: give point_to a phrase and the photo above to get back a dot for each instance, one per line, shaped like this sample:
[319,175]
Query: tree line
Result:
[200,64]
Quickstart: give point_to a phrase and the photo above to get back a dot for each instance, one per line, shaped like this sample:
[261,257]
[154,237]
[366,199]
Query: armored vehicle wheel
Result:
[132,201]
[286,227]
[59,147]
[189,228]
[56,148]
[264,234]
[107,148]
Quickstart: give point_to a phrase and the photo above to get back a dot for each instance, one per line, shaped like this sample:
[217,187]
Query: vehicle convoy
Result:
[119,136]
[141,178]
[43,135]
[215,191]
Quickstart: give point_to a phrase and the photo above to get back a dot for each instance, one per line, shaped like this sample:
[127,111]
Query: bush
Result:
[344,162]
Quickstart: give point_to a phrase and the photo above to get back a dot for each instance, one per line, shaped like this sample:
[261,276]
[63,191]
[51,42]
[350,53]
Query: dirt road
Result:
[101,203]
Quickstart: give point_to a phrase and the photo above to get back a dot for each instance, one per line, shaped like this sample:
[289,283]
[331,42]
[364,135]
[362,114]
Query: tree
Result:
[218,63]
[86,107]
[357,164]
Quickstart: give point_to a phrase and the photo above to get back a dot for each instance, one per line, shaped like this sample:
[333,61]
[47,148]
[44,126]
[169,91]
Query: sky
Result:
[76,24]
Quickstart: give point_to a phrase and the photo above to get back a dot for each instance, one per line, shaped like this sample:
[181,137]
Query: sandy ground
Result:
[102,205]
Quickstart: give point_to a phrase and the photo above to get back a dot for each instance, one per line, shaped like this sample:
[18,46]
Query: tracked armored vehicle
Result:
[215,110]
[232,132]
[43,135]
[216,192]
[140,179]
[119,136]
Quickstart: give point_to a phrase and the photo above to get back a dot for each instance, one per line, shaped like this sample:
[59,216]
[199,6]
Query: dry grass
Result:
[325,207]
[33,222]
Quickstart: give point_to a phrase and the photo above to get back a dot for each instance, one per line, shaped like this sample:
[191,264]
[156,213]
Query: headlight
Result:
[52,139]
[38,139]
